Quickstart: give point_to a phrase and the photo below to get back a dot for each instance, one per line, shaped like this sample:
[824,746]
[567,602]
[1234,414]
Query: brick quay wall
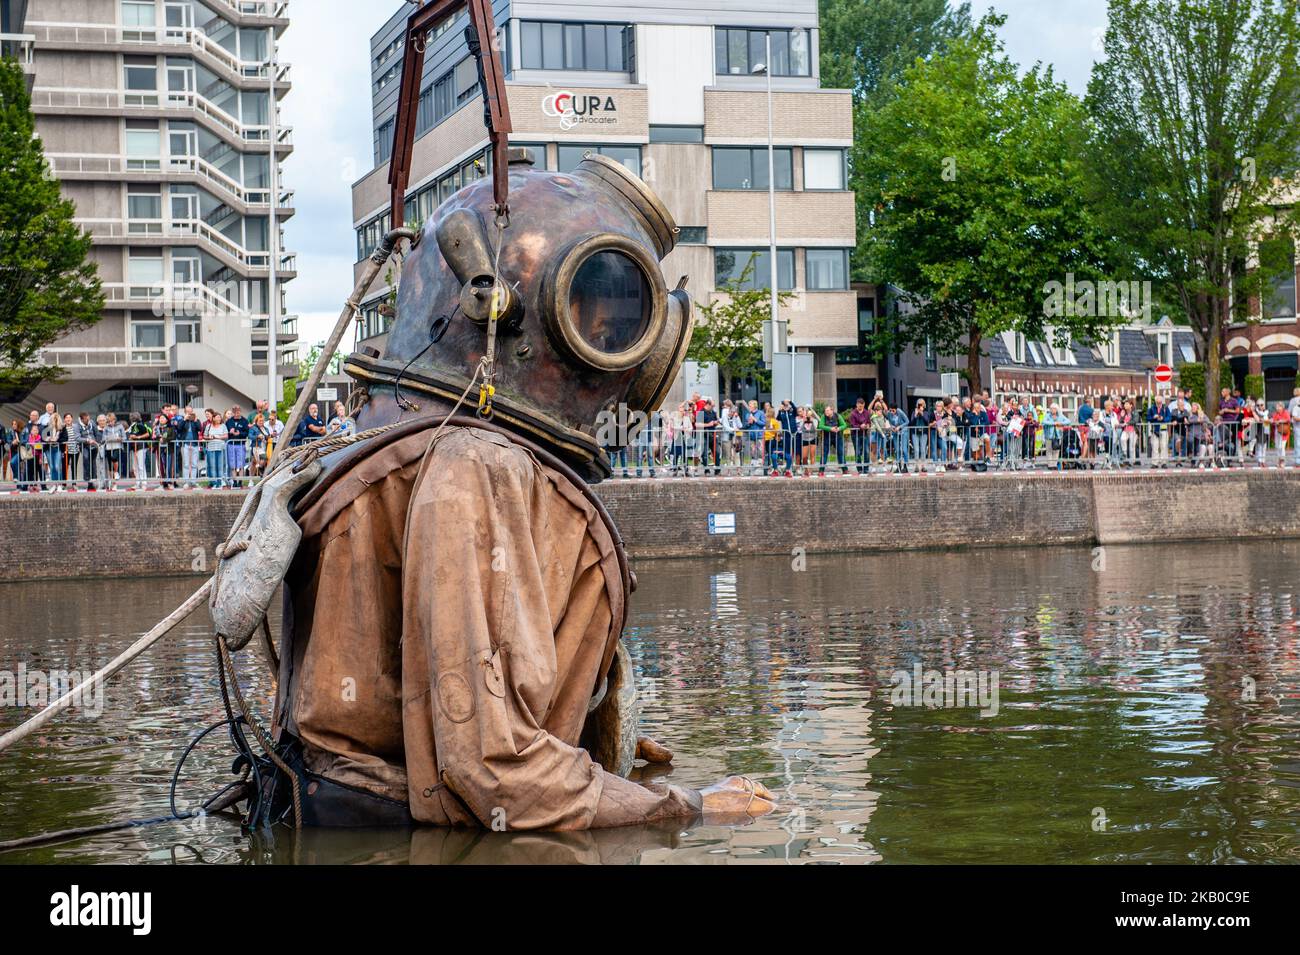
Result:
[156,533]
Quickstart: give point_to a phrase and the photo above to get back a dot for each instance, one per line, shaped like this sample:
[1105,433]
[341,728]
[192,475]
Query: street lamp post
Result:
[273,309]
[766,69]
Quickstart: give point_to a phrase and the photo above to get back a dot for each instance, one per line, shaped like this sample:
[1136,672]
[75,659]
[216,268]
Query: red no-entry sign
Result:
[1164,374]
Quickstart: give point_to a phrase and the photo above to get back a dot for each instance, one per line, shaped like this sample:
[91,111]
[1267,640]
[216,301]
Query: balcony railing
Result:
[52,98]
[103,357]
[256,8]
[18,46]
[111,165]
[191,299]
[176,229]
[196,40]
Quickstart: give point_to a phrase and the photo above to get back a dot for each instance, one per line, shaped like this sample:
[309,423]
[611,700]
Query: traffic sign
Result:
[1164,374]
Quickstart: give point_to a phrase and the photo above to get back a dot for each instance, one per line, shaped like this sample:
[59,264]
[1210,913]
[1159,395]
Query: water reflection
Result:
[1147,713]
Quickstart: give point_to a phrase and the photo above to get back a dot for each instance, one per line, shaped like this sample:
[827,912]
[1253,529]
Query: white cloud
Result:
[328,45]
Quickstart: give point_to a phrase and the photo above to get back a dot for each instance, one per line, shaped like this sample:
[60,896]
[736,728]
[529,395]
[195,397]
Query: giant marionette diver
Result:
[451,648]
[454,594]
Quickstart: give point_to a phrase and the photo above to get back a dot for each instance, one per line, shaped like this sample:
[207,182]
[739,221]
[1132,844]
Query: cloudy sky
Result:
[329,108]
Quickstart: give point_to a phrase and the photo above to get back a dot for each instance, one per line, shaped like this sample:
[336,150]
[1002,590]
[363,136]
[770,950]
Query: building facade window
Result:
[729,265]
[692,235]
[384,143]
[823,168]
[738,50]
[140,74]
[538,151]
[143,149]
[1281,301]
[827,269]
[138,19]
[676,134]
[1165,348]
[604,47]
[371,234]
[570,155]
[745,167]
[465,77]
[931,357]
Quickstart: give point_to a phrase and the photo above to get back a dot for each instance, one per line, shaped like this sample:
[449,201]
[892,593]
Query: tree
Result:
[47,287]
[974,189]
[1195,129]
[305,365]
[865,45]
[729,328]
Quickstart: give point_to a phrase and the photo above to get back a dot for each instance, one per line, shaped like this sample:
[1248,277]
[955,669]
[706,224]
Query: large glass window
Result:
[828,269]
[144,202]
[537,149]
[823,169]
[140,75]
[466,79]
[1281,303]
[729,265]
[745,167]
[570,155]
[138,14]
[575,46]
[143,149]
[739,50]
[384,143]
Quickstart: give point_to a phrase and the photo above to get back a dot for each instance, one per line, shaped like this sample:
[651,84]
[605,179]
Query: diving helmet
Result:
[582,324]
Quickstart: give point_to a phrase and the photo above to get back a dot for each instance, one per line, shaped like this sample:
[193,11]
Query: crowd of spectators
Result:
[976,432]
[174,448]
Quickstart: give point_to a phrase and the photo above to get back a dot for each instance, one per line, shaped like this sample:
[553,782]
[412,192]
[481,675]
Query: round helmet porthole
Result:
[607,303]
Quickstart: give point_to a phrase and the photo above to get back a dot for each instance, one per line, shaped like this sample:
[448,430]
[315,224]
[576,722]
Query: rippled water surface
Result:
[1147,712]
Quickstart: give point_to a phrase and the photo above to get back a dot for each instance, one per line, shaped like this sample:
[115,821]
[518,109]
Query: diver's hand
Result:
[737,796]
[652,752]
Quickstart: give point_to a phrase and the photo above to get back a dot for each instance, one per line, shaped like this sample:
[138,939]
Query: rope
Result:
[267,746]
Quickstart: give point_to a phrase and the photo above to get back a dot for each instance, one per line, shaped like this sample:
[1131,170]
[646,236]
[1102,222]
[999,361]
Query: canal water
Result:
[1147,710]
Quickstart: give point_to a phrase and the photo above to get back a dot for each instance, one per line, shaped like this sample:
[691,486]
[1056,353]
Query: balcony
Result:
[187,231]
[104,358]
[158,102]
[144,168]
[264,9]
[18,46]
[166,40]
[185,299]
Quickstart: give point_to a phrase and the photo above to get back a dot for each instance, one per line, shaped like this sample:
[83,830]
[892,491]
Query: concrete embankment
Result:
[161,533]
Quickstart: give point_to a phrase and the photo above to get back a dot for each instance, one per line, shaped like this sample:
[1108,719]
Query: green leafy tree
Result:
[729,328]
[305,365]
[974,188]
[47,286]
[1195,131]
[865,45]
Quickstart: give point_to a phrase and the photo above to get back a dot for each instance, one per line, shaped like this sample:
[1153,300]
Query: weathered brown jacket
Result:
[448,659]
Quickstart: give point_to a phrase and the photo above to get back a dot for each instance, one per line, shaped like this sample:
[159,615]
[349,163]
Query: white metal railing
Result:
[51,97]
[179,298]
[176,228]
[256,8]
[108,164]
[19,47]
[195,39]
[103,357]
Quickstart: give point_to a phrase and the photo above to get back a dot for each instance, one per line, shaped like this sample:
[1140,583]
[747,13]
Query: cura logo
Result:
[571,109]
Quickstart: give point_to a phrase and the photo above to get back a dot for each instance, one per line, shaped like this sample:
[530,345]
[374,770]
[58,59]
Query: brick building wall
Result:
[155,534]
